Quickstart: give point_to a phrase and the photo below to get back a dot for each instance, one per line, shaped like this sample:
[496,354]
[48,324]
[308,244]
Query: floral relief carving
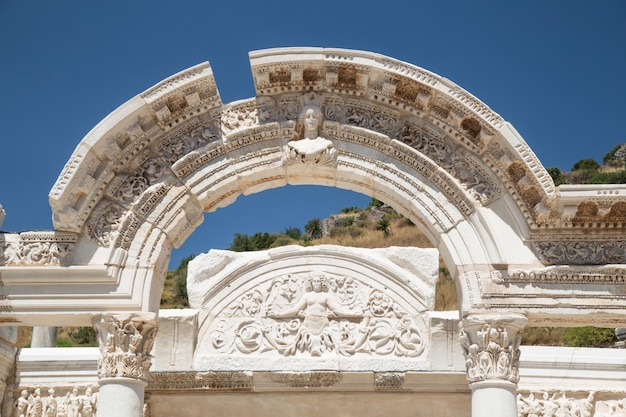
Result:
[40,248]
[491,350]
[581,252]
[104,222]
[316,314]
[238,118]
[457,163]
[125,345]
[134,185]
[175,146]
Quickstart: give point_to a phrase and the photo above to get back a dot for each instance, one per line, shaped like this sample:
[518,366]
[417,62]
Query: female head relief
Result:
[311,120]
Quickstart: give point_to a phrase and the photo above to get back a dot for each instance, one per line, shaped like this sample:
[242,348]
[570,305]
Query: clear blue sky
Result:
[554,69]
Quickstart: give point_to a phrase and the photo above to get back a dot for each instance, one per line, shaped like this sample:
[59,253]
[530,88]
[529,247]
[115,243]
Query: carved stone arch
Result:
[140,182]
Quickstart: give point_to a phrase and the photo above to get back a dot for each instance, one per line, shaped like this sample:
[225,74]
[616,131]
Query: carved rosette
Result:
[125,344]
[491,347]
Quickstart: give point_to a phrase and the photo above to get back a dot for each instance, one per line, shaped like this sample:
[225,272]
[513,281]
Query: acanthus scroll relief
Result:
[315,314]
[580,252]
[125,345]
[36,248]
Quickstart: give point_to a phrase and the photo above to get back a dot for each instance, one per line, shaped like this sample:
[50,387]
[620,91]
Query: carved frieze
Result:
[315,314]
[191,137]
[36,248]
[314,379]
[125,344]
[389,381]
[55,402]
[559,403]
[491,347]
[104,222]
[580,252]
[239,116]
[206,381]
[457,162]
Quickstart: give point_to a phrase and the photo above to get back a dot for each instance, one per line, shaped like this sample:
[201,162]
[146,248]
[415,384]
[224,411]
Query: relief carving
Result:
[36,248]
[214,381]
[175,146]
[104,222]
[239,117]
[389,381]
[125,345]
[30,403]
[457,163]
[306,379]
[581,252]
[555,404]
[316,314]
[311,149]
[133,186]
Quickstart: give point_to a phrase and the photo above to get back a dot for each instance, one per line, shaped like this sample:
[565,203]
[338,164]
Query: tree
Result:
[293,232]
[240,243]
[586,164]
[376,203]
[618,153]
[313,229]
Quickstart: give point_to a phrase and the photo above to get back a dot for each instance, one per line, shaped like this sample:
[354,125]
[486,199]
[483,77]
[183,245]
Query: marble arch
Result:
[522,251]
[140,182]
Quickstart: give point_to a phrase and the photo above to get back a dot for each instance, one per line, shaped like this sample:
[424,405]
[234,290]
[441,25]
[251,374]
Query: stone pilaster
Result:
[490,343]
[126,340]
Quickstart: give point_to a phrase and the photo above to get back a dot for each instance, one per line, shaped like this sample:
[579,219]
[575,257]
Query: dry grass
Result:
[401,233]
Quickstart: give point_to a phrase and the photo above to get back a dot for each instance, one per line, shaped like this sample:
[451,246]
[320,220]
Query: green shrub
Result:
[64,342]
[589,337]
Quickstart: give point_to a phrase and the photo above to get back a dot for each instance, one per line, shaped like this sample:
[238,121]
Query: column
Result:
[490,343]
[44,337]
[126,340]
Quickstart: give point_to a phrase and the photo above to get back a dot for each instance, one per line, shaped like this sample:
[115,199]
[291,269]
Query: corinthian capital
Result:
[491,346]
[125,344]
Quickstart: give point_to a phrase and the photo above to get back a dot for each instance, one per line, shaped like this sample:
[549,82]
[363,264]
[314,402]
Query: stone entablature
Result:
[566,376]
